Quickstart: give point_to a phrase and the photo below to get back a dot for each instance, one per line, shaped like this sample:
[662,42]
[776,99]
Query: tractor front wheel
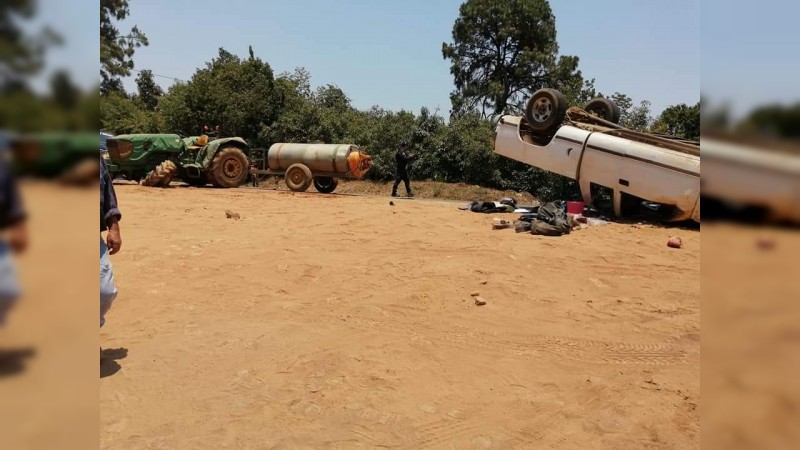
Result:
[229,168]
[162,175]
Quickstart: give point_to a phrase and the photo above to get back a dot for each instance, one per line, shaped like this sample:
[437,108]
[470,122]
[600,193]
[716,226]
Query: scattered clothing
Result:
[521,226]
[488,207]
[550,220]
[509,201]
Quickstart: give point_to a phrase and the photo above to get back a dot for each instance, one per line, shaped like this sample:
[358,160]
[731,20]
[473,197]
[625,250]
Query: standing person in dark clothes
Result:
[15,237]
[109,221]
[403,159]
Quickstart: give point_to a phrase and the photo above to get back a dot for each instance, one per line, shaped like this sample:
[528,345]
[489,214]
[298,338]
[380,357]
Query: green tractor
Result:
[157,159]
[67,157]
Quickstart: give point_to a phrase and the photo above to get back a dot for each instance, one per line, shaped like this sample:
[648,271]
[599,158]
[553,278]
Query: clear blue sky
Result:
[389,52]
[750,53]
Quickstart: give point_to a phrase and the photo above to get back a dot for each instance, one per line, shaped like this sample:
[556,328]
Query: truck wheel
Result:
[229,168]
[604,109]
[546,110]
[162,175]
[325,185]
[298,177]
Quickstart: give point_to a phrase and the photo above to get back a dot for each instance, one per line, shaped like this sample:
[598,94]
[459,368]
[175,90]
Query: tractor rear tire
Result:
[298,177]
[546,110]
[325,185]
[604,109]
[162,175]
[230,168]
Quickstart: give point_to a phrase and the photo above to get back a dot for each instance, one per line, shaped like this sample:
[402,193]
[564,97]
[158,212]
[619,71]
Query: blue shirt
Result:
[11,208]
[108,198]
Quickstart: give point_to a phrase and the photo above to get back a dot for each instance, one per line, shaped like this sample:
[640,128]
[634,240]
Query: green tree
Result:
[680,120]
[22,50]
[64,92]
[632,116]
[148,92]
[776,121]
[116,48]
[503,51]
[120,114]
[236,94]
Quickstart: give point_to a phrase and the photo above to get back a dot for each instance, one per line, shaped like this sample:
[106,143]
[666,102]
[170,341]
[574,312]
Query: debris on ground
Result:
[475,294]
[521,226]
[391,203]
[573,221]
[232,215]
[675,242]
[765,243]
[499,224]
[480,301]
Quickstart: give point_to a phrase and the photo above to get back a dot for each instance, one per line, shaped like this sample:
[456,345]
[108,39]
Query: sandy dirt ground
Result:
[343,322]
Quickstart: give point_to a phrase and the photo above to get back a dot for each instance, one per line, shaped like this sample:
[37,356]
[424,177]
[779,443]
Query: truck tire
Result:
[604,109]
[546,110]
[298,177]
[229,168]
[325,185]
[162,175]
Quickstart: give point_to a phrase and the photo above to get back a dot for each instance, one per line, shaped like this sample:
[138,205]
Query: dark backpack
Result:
[550,221]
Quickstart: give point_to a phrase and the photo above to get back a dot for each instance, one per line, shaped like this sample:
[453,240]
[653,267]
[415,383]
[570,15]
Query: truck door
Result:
[601,165]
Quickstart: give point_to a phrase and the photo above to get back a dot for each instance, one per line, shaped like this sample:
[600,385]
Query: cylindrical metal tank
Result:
[327,158]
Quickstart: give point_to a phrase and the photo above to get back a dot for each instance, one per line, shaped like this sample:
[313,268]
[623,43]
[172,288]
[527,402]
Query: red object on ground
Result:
[575,208]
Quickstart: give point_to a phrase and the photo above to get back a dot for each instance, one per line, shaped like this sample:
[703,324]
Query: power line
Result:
[160,76]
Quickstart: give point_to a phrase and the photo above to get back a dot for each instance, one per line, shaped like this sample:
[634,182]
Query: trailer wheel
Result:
[604,109]
[325,185]
[298,177]
[546,110]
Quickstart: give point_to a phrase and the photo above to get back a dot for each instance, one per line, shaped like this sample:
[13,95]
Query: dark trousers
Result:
[404,178]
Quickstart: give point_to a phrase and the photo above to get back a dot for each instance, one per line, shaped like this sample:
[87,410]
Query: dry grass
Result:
[422,189]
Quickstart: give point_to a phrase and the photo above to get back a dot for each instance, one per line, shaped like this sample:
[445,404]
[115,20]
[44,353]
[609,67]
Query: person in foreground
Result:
[403,159]
[109,221]
[14,239]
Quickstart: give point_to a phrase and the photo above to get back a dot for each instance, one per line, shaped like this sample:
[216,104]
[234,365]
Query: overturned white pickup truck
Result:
[588,146]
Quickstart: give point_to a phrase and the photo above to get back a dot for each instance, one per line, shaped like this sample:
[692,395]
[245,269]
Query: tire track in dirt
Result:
[441,431]
[515,345]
